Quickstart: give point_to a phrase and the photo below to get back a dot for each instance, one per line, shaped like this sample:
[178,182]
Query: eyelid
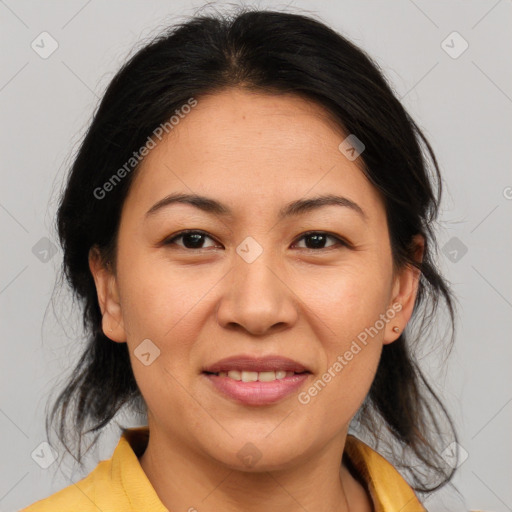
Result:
[170,240]
[341,241]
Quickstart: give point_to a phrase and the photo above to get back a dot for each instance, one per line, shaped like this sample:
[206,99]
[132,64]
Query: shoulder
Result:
[118,483]
[76,497]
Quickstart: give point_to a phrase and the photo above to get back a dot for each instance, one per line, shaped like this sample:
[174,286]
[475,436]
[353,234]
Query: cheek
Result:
[351,360]
[167,305]
[349,298]
[159,298]
[352,309]
[163,306]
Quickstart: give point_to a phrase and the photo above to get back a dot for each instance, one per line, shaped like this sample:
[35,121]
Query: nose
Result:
[257,297]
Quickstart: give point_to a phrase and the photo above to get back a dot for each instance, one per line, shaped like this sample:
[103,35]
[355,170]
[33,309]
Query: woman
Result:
[249,225]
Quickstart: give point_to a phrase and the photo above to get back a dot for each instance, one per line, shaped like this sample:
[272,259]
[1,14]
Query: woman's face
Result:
[251,283]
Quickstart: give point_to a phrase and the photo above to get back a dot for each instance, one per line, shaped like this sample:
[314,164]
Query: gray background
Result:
[463,103]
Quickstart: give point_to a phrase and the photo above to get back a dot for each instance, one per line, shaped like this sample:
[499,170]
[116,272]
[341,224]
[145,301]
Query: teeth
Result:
[249,376]
[245,376]
[267,376]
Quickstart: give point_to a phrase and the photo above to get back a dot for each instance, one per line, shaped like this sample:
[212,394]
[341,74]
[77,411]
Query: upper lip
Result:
[256,364]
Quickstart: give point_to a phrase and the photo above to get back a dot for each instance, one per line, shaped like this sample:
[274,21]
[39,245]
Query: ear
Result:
[405,289]
[108,297]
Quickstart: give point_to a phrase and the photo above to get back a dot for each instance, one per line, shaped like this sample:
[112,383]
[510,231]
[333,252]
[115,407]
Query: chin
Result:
[259,453]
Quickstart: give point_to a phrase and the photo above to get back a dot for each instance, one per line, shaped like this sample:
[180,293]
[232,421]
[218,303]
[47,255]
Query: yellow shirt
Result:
[119,484]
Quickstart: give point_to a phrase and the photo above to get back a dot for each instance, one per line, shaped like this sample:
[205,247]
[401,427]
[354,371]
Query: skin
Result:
[254,153]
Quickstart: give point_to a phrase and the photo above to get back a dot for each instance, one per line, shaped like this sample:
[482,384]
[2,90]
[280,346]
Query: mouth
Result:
[256,376]
[256,381]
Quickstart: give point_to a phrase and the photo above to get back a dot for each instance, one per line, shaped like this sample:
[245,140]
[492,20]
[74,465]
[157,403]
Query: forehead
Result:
[251,148]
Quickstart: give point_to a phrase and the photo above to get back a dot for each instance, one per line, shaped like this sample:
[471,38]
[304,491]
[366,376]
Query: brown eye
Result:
[191,239]
[195,239]
[316,240]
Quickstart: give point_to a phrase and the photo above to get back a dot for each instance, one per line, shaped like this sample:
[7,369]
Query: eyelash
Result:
[341,242]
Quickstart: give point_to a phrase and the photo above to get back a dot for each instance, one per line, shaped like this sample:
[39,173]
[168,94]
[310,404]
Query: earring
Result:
[396,329]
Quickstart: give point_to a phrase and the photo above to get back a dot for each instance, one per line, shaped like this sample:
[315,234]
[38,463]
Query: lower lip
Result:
[257,393]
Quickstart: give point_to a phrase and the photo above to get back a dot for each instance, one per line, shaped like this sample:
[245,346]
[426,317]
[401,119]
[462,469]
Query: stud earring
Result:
[396,329]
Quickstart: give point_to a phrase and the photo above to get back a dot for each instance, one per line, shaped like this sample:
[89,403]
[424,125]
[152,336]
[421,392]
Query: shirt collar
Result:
[387,487]
[127,470]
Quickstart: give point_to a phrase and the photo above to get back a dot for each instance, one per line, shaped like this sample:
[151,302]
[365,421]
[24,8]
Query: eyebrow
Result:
[294,208]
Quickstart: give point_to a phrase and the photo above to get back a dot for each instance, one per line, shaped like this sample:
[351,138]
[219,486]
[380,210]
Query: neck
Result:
[185,479]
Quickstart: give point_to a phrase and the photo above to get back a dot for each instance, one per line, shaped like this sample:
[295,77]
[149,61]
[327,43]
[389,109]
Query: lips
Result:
[246,363]
[256,381]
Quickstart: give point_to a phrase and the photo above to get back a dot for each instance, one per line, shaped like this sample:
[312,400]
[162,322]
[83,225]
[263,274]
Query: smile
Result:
[248,376]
